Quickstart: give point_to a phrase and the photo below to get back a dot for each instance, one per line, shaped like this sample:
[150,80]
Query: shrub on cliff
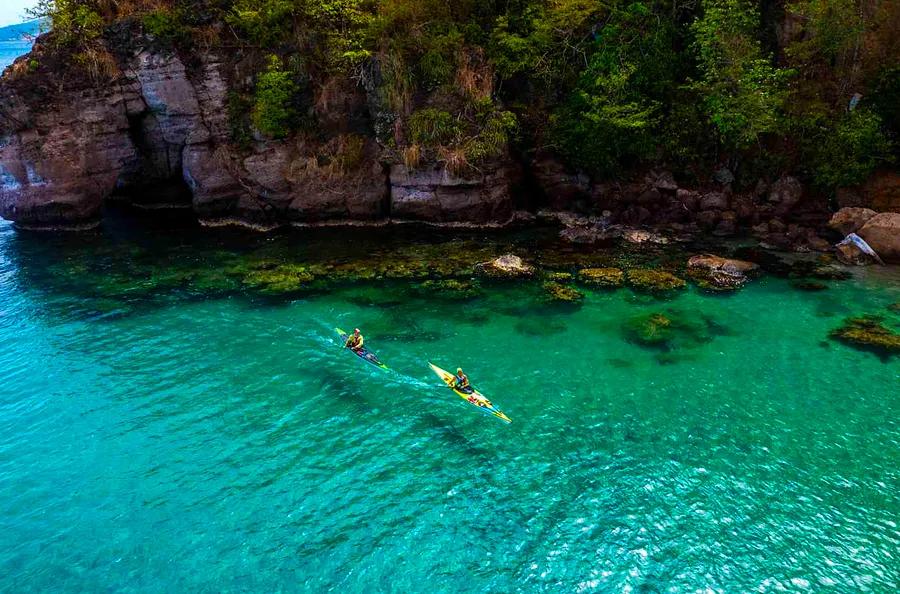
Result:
[273,112]
[72,21]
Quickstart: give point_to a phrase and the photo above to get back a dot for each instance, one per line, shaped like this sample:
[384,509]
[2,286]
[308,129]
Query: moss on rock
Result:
[453,289]
[559,277]
[283,278]
[868,333]
[564,293]
[654,281]
[602,277]
[654,330]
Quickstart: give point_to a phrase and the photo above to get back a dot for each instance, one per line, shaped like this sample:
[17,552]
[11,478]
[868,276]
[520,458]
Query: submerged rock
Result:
[506,266]
[602,277]
[280,278]
[868,333]
[721,274]
[560,292]
[653,330]
[809,285]
[671,330]
[654,281]
[641,236]
[457,290]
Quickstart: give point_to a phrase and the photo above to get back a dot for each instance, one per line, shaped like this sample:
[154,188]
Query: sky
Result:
[13,11]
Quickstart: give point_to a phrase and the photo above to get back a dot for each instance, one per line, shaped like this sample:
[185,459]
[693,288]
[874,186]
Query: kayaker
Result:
[355,341]
[462,380]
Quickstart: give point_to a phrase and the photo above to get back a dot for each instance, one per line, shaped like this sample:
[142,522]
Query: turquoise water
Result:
[10,50]
[171,440]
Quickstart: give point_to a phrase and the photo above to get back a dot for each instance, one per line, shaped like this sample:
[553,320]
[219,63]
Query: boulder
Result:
[714,201]
[850,219]
[662,180]
[882,233]
[654,281]
[505,266]
[562,188]
[727,224]
[641,236]
[716,272]
[785,194]
[882,191]
[687,199]
[724,176]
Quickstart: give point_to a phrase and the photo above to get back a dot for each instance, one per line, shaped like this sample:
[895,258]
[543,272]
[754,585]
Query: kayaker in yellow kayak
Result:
[355,341]
[462,380]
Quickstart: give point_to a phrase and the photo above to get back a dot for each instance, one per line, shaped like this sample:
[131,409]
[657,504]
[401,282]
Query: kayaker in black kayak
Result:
[462,380]
[355,341]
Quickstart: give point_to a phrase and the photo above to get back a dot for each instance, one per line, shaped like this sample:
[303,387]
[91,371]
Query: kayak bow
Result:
[470,394]
[363,353]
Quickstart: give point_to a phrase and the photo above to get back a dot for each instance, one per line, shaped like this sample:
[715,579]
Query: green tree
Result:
[618,101]
[743,92]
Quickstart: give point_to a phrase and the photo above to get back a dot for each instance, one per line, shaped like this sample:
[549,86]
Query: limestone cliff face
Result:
[158,136]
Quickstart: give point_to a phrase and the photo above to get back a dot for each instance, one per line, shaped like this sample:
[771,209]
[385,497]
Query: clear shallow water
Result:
[10,50]
[162,441]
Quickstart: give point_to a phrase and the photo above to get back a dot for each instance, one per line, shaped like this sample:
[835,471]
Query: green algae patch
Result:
[894,307]
[283,278]
[602,277]
[452,289]
[559,292]
[870,334]
[654,281]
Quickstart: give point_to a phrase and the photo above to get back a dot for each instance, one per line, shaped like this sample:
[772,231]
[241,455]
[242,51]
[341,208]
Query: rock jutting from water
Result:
[720,274]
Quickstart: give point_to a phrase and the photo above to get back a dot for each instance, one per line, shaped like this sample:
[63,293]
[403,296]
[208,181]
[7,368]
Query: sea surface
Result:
[10,50]
[161,435]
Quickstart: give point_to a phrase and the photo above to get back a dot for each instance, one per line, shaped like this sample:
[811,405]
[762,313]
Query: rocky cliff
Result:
[157,135]
[156,131]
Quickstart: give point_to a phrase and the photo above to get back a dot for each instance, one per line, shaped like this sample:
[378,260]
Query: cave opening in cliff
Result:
[152,179]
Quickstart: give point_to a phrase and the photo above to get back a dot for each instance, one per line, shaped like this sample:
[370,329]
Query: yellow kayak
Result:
[469,394]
